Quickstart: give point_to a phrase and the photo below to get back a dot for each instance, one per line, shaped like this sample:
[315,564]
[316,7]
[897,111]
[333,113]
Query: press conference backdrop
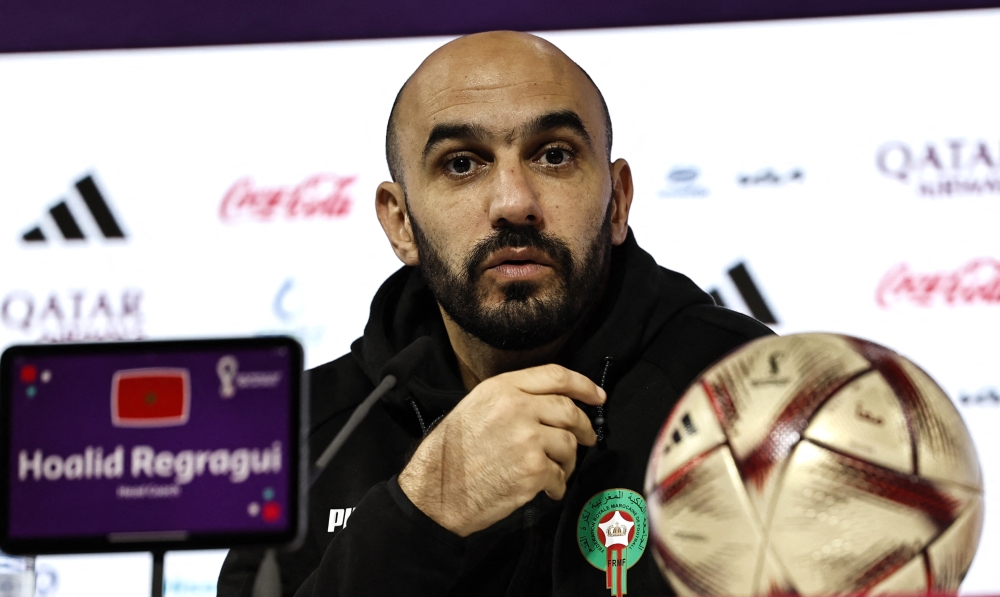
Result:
[834,174]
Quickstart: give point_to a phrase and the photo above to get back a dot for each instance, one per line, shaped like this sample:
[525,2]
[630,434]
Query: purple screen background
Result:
[73,410]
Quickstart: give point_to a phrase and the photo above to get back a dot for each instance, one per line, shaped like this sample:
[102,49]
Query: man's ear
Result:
[621,197]
[390,205]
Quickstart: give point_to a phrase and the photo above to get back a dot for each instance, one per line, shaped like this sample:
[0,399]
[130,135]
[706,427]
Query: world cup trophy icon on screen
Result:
[814,464]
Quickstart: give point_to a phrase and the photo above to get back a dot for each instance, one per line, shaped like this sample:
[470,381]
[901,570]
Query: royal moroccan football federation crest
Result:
[612,533]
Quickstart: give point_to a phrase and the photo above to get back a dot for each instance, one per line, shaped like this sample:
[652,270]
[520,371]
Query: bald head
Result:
[477,69]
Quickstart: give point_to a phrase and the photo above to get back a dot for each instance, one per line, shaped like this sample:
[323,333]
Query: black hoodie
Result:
[652,334]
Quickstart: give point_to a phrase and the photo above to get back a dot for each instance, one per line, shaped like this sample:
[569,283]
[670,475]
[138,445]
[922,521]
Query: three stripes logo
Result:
[69,225]
[750,293]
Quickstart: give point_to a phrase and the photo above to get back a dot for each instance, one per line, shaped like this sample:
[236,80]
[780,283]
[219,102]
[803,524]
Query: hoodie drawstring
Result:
[599,421]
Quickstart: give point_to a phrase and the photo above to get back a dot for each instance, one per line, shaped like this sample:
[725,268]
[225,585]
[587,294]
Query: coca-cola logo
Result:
[75,315]
[319,196]
[976,282]
[953,167]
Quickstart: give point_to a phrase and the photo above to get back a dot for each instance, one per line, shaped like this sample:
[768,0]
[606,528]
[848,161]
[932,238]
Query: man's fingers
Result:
[555,488]
[554,379]
[560,447]
[561,412]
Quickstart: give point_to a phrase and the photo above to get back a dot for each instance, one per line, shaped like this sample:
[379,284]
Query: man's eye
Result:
[555,156]
[460,165]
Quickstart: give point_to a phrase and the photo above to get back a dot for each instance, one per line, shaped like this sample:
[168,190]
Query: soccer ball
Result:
[814,464]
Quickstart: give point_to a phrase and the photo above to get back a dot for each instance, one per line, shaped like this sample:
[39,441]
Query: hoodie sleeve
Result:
[390,548]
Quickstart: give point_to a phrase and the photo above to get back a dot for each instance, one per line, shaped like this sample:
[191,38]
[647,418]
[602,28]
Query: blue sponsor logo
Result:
[291,315]
[771,177]
[682,181]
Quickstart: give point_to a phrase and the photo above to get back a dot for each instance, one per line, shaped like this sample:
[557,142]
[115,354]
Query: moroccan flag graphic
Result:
[150,397]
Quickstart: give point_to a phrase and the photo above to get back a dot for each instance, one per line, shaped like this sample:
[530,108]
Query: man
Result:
[559,349]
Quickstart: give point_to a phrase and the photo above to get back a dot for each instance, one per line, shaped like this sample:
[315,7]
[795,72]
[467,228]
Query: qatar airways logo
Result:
[946,168]
[75,315]
[975,282]
[321,196]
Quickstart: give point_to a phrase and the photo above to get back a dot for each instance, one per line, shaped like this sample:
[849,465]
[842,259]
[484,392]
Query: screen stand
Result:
[268,581]
[158,573]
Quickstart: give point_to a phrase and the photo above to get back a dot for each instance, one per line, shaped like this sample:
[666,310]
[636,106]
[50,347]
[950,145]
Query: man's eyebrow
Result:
[445,131]
[563,119]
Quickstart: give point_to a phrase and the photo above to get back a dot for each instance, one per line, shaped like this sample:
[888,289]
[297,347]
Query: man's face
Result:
[507,187]
[533,309]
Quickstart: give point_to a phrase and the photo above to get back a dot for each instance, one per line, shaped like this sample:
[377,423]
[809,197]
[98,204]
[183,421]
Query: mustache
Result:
[516,237]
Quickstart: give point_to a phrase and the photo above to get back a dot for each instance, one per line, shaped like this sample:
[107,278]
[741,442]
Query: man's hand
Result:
[514,435]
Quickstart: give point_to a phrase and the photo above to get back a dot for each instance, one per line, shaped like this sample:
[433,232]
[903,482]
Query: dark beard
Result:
[523,320]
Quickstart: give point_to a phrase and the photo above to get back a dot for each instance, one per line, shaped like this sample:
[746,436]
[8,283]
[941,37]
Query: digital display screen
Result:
[142,443]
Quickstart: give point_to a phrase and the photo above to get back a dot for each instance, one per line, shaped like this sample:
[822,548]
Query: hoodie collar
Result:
[639,299]
[641,296]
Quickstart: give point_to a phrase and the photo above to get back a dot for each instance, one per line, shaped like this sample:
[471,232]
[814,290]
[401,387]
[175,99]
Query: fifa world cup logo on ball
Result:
[840,467]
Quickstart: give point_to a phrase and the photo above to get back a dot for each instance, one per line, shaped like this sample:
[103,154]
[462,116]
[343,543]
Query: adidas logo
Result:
[750,293]
[68,224]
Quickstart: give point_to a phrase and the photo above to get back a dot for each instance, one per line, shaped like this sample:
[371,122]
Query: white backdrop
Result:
[852,166]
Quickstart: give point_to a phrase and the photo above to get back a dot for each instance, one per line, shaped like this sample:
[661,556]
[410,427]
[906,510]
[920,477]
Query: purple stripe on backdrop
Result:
[53,25]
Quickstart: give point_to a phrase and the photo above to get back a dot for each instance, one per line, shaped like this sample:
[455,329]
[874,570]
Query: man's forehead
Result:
[500,82]
[497,107]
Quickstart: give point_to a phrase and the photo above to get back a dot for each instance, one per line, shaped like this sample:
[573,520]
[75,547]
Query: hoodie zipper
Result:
[424,428]
[420,417]
[530,560]
[528,563]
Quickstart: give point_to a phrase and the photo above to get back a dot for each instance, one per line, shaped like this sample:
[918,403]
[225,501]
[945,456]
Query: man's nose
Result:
[515,200]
